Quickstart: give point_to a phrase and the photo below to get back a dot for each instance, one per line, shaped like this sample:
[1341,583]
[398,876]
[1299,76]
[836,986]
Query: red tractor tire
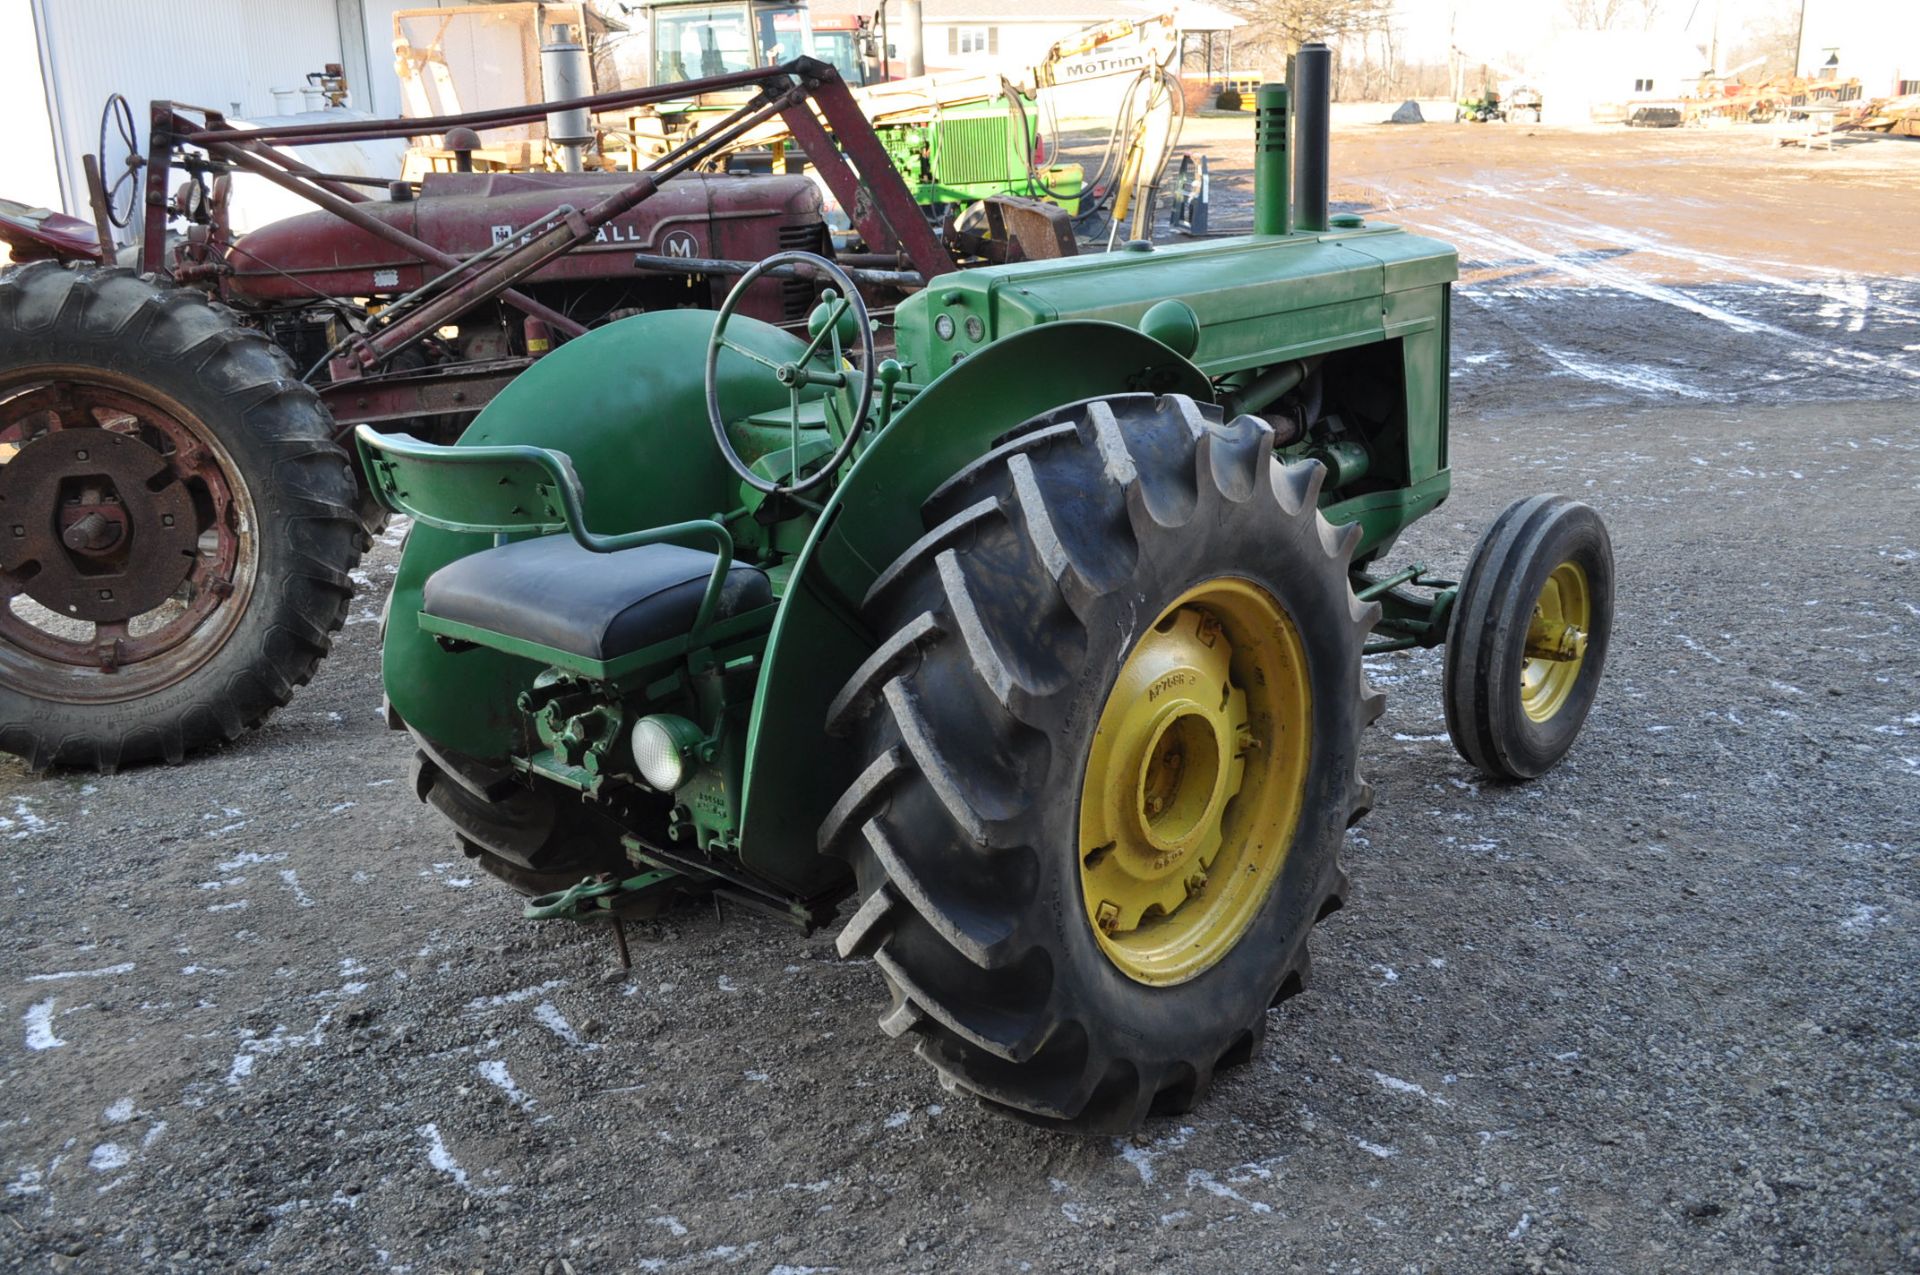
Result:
[177,524]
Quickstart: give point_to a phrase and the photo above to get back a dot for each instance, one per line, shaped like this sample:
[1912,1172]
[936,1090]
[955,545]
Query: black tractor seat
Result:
[553,592]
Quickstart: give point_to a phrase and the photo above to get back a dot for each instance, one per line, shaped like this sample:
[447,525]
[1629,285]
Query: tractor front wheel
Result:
[1528,637]
[176,521]
[1110,746]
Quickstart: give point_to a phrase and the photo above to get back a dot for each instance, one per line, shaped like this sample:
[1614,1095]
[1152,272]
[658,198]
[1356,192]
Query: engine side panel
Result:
[1258,301]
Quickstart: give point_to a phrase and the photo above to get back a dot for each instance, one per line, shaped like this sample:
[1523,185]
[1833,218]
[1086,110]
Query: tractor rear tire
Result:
[990,724]
[218,513]
[528,837]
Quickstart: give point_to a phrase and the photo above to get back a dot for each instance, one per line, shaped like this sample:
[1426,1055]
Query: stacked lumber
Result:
[1899,116]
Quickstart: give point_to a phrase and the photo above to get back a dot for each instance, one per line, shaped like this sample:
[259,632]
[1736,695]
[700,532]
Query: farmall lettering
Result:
[613,232]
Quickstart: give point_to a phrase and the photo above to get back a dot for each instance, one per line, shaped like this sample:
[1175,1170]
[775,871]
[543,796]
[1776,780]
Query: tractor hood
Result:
[1255,301]
[736,217]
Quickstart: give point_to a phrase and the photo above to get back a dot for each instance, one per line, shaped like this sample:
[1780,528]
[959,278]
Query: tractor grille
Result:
[973,150]
[796,295]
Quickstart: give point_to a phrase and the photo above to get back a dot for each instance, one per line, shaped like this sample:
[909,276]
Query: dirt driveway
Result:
[1657,1011]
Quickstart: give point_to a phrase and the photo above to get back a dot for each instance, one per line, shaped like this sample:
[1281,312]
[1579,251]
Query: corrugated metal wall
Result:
[27,169]
[224,54]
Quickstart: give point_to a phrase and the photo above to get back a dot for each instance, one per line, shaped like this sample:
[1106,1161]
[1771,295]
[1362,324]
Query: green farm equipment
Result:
[1039,642]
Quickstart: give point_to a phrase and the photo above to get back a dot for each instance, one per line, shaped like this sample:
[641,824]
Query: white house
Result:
[1589,77]
[984,34]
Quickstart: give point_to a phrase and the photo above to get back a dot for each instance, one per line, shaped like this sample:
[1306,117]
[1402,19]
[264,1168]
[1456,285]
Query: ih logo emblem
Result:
[501,234]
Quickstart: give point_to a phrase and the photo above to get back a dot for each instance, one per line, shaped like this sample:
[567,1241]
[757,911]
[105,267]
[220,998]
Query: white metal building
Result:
[61,59]
[1600,76]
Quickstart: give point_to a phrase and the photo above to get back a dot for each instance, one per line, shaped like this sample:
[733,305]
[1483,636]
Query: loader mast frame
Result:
[807,94]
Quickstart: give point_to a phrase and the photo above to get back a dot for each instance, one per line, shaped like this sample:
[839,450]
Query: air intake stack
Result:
[1270,175]
[566,73]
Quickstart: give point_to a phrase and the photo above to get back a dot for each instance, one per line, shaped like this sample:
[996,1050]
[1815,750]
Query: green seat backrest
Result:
[494,490]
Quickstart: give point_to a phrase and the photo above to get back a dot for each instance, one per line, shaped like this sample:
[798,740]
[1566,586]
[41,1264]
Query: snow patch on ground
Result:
[39,1023]
[442,1159]
[107,971]
[549,1016]
[107,1157]
[1408,1087]
[495,1073]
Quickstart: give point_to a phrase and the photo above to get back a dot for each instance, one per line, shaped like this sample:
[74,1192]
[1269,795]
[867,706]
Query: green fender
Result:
[794,774]
[627,403]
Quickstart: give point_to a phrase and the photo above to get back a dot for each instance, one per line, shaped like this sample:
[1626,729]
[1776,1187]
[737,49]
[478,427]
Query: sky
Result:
[1490,29]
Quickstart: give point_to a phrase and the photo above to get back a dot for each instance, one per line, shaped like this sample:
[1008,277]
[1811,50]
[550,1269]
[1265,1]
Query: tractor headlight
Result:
[663,749]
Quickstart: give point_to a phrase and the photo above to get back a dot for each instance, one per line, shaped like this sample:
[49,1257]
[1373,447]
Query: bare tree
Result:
[1766,47]
[1276,29]
[1603,15]
[1593,15]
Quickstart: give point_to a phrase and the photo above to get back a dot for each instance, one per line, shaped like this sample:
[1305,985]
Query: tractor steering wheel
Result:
[800,373]
[122,172]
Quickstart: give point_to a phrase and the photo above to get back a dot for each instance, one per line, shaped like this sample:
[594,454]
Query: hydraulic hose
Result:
[1097,191]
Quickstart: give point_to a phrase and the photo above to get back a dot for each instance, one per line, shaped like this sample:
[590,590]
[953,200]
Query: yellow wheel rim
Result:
[1556,642]
[1194,781]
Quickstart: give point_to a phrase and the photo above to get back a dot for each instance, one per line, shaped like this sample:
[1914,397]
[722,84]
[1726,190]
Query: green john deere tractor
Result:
[1038,642]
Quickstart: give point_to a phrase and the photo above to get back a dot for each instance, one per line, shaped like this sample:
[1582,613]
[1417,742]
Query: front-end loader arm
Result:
[851,161]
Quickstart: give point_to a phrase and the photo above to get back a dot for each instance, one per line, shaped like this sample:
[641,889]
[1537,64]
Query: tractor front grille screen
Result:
[974,150]
[796,295]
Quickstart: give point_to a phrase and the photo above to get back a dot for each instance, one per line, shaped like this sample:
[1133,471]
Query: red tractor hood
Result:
[736,217]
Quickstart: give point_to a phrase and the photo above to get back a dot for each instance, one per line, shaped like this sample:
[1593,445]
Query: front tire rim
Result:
[1195,781]
[120,652]
[1556,644]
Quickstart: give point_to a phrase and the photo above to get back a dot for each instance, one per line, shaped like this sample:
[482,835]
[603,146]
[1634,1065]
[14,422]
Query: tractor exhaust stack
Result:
[1312,92]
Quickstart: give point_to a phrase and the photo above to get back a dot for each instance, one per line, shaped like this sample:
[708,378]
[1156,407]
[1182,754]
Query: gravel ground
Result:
[1656,1011]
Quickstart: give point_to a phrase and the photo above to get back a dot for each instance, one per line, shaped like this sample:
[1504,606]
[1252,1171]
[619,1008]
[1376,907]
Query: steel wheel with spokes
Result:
[149,555]
[176,522]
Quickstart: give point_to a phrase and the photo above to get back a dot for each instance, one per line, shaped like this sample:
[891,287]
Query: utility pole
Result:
[1453,59]
[913,43]
[1799,38]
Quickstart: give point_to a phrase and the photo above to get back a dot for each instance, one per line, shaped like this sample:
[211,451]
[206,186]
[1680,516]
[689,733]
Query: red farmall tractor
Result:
[179,519]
